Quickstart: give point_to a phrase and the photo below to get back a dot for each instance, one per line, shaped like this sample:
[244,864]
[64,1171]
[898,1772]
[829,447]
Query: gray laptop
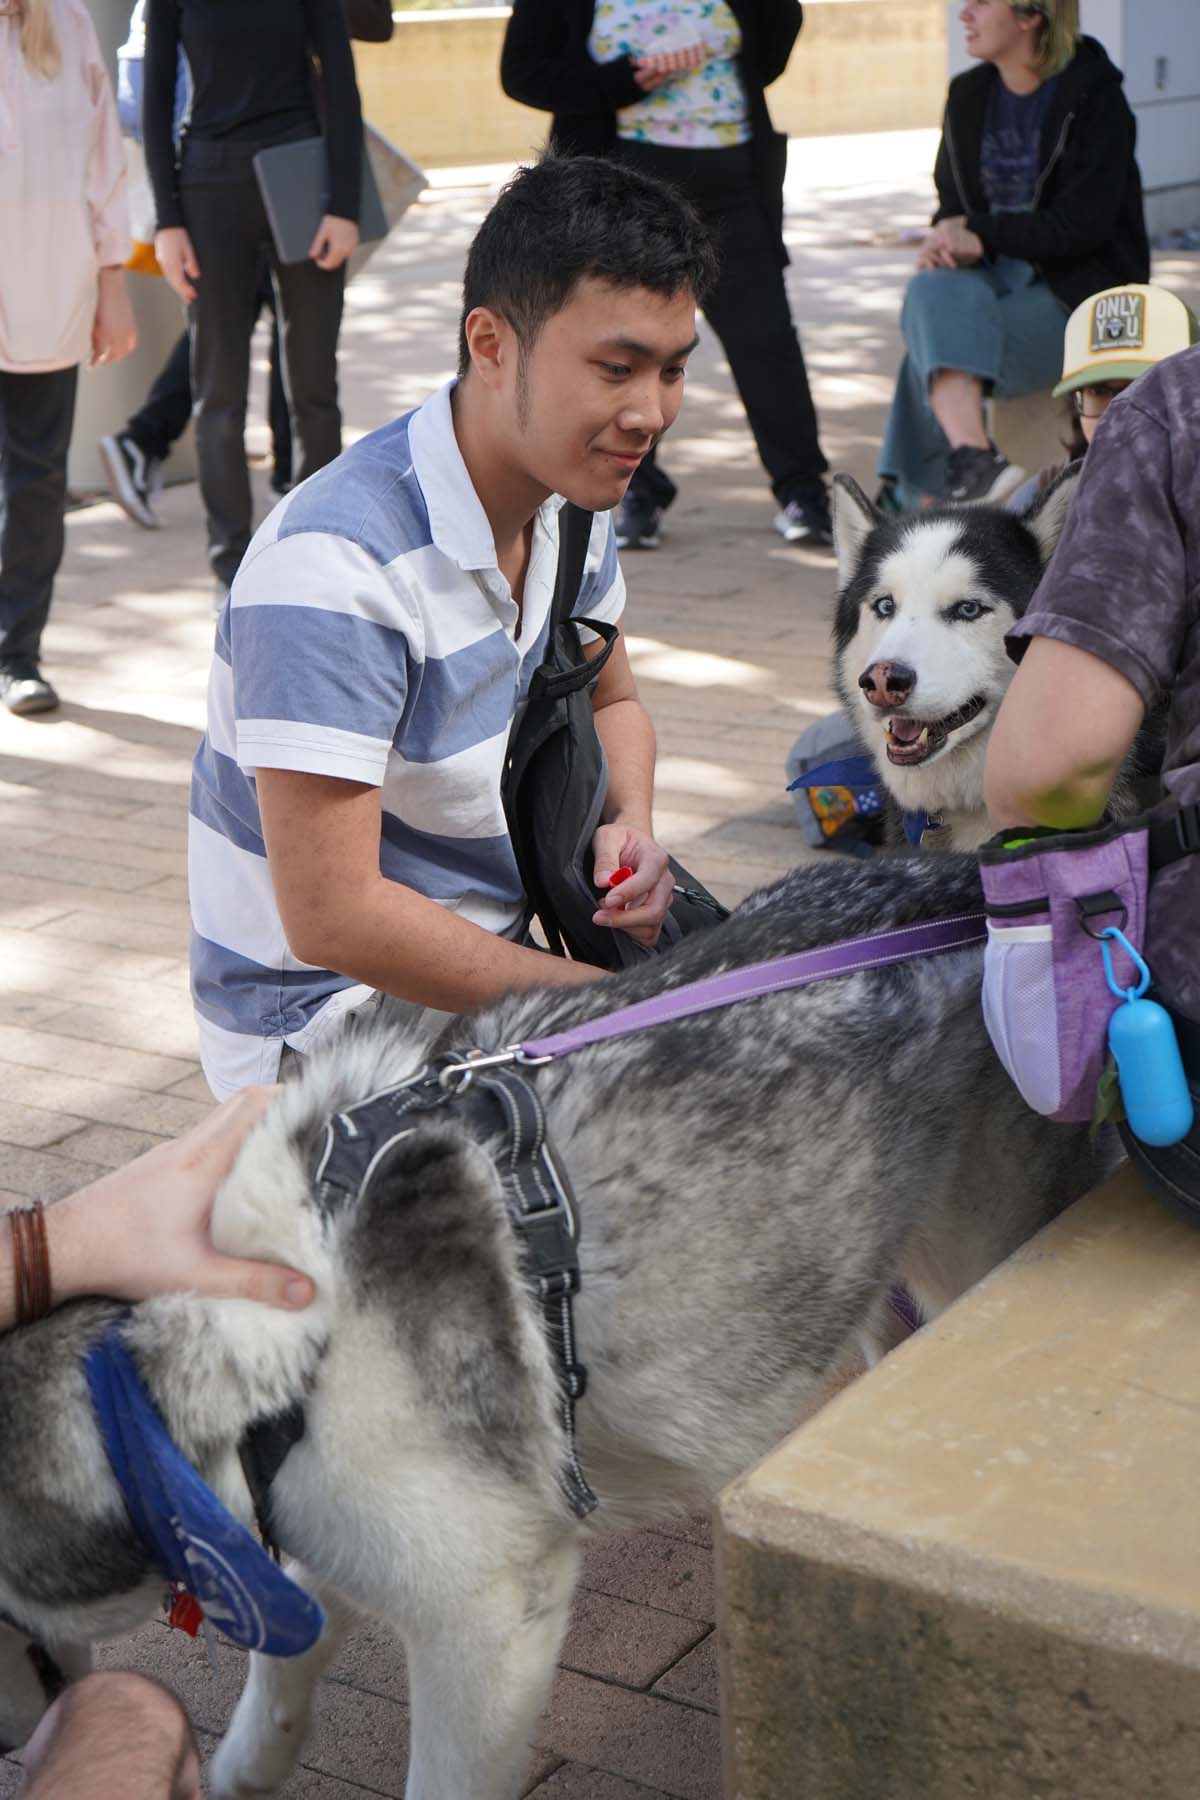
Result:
[294,182]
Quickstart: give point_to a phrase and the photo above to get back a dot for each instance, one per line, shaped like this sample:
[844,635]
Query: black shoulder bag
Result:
[556,779]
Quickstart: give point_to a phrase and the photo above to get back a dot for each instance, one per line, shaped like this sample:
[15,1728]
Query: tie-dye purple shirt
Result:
[1124,584]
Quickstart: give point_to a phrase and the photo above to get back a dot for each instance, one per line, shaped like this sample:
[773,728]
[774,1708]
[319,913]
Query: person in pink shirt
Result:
[64,228]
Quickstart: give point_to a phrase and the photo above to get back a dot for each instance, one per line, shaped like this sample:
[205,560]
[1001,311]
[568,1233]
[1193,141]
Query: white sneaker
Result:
[133,477]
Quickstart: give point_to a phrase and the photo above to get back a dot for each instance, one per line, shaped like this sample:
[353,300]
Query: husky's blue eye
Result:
[968,610]
[884,607]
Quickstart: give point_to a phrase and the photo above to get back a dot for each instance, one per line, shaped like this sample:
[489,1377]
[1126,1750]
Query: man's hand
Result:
[177,260]
[336,239]
[641,903]
[949,245]
[114,333]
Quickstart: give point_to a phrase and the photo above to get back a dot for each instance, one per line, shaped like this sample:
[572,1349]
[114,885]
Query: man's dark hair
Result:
[568,217]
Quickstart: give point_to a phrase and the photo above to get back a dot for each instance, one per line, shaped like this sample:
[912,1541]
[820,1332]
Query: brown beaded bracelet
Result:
[31,1263]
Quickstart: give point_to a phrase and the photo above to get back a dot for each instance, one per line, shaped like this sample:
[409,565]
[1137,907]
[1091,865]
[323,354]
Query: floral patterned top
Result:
[699,108]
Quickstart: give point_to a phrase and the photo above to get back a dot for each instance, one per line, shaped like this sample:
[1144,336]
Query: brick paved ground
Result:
[728,633]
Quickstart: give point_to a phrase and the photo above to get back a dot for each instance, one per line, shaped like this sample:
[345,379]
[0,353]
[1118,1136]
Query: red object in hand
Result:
[186,1613]
[618,876]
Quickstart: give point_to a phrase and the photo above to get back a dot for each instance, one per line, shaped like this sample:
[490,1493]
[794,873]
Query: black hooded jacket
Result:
[1086,230]
[545,63]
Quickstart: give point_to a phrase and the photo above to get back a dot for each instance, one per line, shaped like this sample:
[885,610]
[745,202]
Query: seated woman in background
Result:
[1039,206]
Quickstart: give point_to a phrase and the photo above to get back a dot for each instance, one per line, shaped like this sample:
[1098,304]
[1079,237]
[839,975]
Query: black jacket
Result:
[545,63]
[1087,230]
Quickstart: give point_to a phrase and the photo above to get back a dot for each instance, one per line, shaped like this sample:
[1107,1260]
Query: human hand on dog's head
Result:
[144,1229]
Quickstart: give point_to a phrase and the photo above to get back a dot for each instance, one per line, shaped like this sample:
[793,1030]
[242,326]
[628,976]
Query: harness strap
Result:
[540,1203]
[876,950]
[261,1454]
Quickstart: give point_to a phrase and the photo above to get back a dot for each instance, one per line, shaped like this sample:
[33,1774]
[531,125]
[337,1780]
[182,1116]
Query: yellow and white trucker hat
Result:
[1119,334]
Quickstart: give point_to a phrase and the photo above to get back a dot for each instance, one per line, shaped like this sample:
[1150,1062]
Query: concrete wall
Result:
[974,1573]
[860,65]
[1157,44]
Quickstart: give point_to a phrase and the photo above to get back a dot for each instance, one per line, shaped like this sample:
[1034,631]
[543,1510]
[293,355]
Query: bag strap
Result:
[574,536]
[1169,839]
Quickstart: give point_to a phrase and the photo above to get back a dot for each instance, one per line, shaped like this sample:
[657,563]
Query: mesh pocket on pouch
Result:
[1019,1010]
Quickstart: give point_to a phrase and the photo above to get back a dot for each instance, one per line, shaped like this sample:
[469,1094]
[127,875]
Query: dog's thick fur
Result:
[749,1182]
[922,572]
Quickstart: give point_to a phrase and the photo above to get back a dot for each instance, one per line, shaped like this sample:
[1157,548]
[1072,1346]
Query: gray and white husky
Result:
[920,666]
[749,1184]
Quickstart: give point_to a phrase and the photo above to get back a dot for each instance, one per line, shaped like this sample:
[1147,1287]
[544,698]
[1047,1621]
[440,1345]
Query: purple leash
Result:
[876,950]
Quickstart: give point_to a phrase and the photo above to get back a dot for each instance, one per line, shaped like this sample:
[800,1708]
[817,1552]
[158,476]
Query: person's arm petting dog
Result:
[143,1230]
[626,838]
[339,912]
[1064,728]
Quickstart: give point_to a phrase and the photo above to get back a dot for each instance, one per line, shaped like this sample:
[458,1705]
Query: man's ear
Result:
[854,519]
[491,342]
[1048,514]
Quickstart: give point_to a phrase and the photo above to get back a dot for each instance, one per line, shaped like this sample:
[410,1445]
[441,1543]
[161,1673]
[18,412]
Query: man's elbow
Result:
[316,937]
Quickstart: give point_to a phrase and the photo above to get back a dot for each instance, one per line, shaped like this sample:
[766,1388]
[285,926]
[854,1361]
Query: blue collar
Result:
[194,1540]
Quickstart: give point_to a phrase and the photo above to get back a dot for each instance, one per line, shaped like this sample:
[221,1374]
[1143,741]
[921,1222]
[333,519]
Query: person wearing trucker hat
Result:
[1111,338]
[1115,626]
[1114,337]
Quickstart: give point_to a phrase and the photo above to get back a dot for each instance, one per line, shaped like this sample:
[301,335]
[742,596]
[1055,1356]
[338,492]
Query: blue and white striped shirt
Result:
[369,635]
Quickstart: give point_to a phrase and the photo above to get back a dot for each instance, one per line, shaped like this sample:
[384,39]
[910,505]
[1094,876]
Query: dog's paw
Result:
[253,1761]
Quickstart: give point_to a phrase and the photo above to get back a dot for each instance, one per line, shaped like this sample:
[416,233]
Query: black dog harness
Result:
[540,1206]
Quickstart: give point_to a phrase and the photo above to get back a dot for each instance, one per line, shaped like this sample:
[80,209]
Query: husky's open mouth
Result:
[910,741]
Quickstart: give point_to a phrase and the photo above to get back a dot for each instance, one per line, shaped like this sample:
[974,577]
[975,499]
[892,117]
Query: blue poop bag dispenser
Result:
[1154,1089]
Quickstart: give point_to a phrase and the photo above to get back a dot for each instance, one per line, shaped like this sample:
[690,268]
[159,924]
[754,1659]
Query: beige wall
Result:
[860,65]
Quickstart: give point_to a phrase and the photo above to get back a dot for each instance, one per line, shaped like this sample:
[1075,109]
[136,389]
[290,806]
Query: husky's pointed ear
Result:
[854,518]
[1048,514]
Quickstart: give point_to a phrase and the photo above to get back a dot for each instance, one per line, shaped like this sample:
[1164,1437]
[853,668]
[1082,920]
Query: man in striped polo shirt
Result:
[347,836]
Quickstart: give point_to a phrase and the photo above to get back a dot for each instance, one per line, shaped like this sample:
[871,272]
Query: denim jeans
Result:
[998,322]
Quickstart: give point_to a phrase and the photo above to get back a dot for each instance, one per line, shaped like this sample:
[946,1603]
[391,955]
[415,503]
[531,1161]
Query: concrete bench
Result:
[976,1572]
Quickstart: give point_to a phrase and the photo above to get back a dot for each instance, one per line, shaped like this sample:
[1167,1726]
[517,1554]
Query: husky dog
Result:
[920,666]
[749,1183]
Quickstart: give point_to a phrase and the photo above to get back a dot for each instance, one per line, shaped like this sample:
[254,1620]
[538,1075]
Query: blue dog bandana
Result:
[197,1542]
[857,776]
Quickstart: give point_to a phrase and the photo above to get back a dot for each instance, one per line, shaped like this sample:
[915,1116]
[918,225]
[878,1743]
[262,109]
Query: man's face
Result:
[601,384]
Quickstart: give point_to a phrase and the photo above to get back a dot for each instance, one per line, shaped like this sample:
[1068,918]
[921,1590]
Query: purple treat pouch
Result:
[1049,896]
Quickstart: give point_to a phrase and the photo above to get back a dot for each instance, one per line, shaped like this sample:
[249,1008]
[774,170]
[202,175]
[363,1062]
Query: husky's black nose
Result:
[888,684]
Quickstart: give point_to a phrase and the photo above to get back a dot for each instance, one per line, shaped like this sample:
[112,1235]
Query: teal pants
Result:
[997,322]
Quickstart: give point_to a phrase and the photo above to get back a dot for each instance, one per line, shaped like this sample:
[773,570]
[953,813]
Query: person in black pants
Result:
[696,117]
[133,457]
[253,86]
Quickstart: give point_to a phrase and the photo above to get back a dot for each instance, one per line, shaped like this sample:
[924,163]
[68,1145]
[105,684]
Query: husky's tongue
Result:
[906,731]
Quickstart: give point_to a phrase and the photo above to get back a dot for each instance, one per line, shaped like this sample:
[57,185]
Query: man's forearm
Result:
[409,946]
[629,745]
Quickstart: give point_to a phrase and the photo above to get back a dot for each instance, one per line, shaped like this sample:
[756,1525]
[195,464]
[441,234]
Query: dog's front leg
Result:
[271,1719]
[478,1682]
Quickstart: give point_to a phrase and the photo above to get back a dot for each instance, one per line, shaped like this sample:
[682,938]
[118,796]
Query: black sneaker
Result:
[977,477]
[23,687]
[133,477]
[888,501]
[805,520]
[636,524]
